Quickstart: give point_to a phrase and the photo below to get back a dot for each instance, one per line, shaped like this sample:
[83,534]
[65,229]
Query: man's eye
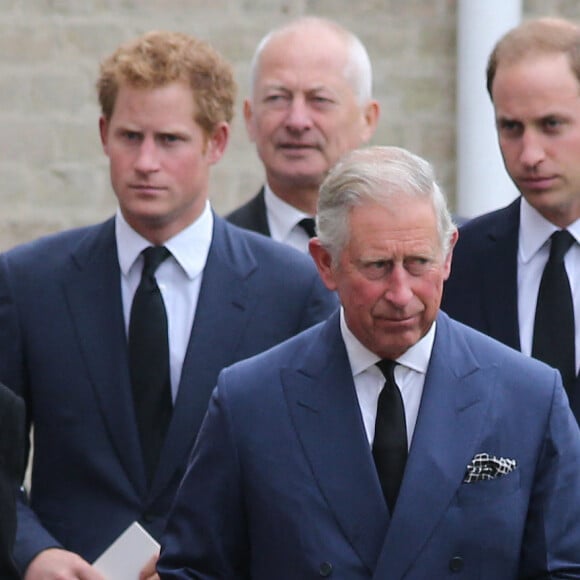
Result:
[275,98]
[510,128]
[131,135]
[552,123]
[417,266]
[168,139]
[375,270]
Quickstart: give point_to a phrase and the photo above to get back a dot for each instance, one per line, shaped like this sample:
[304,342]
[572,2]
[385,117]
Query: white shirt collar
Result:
[282,216]
[190,247]
[361,358]
[535,230]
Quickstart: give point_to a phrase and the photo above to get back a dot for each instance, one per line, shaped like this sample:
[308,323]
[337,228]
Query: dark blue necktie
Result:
[149,360]
[554,332]
[390,441]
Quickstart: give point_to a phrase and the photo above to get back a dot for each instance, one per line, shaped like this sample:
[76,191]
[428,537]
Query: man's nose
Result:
[532,152]
[299,117]
[148,156]
[398,291]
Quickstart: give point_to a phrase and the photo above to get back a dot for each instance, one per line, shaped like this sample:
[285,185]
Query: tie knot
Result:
[308,225]
[562,240]
[387,367]
[153,256]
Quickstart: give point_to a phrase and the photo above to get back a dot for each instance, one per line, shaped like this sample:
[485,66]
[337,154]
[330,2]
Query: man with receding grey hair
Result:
[389,441]
[310,102]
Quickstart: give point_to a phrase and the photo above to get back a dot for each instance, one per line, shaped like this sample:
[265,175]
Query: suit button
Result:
[148,518]
[456,564]
[325,569]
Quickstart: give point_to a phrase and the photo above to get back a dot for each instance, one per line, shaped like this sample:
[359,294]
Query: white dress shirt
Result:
[178,277]
[369,380]
[533,253]
[283,221]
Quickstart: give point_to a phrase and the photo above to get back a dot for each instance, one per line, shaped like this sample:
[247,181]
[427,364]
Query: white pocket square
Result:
[484,466]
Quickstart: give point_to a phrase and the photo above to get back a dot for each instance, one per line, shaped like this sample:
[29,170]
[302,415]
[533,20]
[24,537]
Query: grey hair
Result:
[376,174]
[358,70]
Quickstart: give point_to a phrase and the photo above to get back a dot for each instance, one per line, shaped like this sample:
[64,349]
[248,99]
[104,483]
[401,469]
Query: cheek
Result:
[266,125]
[509,152]
[364,297]
[429,292]
[115,166]
[186,166]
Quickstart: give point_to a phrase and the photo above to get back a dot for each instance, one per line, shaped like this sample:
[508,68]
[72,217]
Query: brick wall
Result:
[54,174]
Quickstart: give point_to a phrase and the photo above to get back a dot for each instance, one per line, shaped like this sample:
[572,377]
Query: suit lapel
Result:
[214,343]
[325,412]
[499,279]
[448,427]
[259,214]
[93,293]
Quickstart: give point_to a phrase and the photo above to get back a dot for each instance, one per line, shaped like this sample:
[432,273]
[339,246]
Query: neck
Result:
[303,199]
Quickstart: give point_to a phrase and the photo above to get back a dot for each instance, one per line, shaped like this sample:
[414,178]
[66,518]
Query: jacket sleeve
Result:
[31,536]
[551,542]
[205,537]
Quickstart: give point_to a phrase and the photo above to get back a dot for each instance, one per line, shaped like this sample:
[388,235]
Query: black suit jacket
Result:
[252,215]
[12,454]
[482,290]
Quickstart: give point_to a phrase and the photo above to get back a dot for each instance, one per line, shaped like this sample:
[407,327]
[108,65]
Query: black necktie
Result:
[553,340]
[390,442]
[149,360]
[309,226]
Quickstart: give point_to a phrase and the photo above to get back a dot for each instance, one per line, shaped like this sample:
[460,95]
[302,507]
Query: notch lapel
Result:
[499,277]
[325,412]
[93,293]
[215,342]
[448,428]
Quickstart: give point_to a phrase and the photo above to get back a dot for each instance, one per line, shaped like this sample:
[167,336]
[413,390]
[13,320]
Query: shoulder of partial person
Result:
[53,246]
[287,353]
[511,364]
[277,254]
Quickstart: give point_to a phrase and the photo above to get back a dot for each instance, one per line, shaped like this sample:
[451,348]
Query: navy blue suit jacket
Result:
[12,462]
[482,290]
[63,347]
[282,482]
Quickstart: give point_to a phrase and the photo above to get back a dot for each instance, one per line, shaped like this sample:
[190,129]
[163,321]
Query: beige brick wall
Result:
[54,175]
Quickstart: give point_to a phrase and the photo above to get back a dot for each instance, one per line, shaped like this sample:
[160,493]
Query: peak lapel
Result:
[448,425]
[325,412]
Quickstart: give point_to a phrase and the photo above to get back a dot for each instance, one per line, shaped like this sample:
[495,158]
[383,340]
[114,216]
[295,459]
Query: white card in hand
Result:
[127,555]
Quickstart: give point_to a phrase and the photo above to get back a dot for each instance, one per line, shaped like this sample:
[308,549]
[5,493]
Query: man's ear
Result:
[217,142]
[449,257]
[323,262]
[371,115]
[103,128]
[249,119]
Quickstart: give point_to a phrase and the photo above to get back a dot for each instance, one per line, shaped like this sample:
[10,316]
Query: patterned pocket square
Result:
[484,466]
